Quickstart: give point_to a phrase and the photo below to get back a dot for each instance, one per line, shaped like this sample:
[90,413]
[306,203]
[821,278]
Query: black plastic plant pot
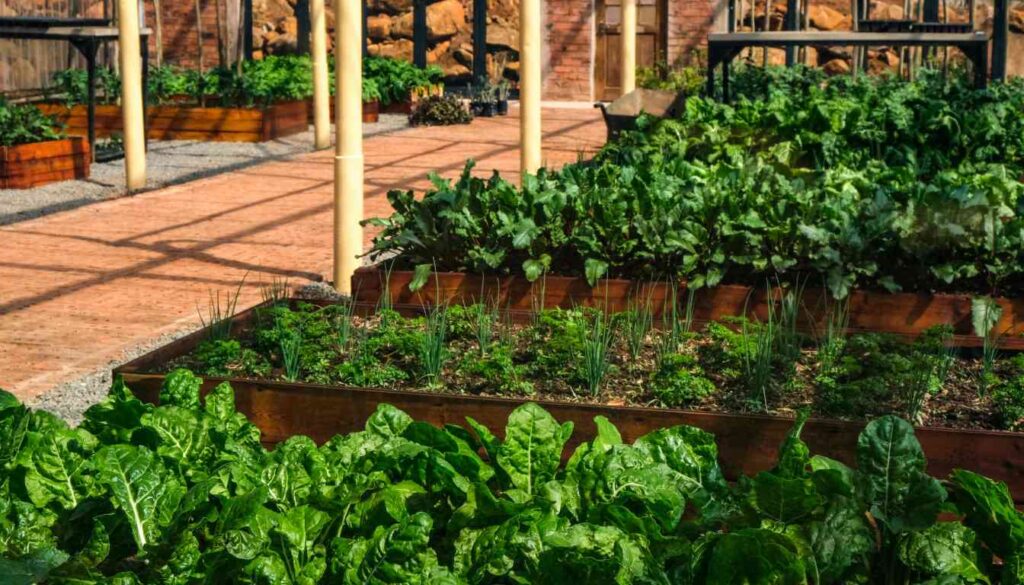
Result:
[484,109]
[502,107]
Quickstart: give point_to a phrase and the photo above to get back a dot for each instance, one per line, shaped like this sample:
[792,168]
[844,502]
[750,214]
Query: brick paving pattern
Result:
[78,287]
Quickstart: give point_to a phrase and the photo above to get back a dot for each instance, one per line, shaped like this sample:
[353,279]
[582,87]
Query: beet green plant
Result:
[866,182]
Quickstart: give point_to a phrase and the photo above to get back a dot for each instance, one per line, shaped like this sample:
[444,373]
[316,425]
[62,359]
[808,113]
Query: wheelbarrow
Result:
[621,114]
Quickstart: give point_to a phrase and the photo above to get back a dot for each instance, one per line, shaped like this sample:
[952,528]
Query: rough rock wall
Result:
[390,32]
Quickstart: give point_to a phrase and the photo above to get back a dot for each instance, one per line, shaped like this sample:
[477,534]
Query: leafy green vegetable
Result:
[185,493]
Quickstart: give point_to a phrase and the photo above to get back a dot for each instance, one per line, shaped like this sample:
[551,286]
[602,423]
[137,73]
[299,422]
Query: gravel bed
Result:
[168,163]
[70,400]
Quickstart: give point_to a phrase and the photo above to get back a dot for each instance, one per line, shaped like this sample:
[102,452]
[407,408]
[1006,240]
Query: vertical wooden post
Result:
[627,40]
[529,86]
[131,95]
[1000,34]
[321,93]
[419,33]
[348,159]
[479,40]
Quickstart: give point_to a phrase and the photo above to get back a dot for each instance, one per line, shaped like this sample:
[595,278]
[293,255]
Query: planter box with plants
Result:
[33,153]
[324,367]
[848,186]
[400,83]
[263,100]
[182,491]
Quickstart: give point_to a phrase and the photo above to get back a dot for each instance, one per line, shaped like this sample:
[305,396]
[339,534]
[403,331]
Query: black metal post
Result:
[930,13]
[366,33]
[731,27]
[792,24]
[302,15]
[145,93]
[247,28]
[419,33]
[90,49]
[479,40]
[1000,34]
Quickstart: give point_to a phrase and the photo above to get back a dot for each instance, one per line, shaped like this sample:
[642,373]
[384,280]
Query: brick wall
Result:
[568,49]
[179,32]
[689,22]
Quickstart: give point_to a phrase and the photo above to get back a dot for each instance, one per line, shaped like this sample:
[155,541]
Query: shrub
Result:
[440,110]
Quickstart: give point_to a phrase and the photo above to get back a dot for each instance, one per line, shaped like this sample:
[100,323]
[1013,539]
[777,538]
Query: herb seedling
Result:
[220,313]
[985,315]
[291,345]
[596,349]
[636,324]
[433,352]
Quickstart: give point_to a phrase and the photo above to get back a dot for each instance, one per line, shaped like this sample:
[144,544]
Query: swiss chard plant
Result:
[185,492]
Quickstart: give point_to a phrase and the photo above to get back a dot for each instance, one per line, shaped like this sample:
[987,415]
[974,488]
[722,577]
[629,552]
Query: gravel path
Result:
[168,163]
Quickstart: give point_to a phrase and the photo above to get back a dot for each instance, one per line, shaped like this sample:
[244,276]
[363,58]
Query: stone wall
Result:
[390,32]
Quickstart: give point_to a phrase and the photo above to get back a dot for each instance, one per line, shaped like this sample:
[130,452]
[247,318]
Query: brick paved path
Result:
[78,287]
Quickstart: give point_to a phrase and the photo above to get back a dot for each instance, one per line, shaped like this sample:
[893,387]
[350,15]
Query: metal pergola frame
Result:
[86,35]
[930,14]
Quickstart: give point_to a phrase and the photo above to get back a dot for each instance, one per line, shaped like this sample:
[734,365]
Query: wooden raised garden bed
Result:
[29,165]
[183,122]
[904,314]
[747,443]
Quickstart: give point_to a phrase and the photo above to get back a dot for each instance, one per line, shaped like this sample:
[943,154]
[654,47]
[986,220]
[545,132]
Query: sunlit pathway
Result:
[77,288]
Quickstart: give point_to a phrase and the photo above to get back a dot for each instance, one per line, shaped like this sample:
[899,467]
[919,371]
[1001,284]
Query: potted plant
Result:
[484,100]
[371,101]
[501,105]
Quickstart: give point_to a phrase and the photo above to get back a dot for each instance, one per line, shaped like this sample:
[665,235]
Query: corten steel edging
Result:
[903,314]
[747,443]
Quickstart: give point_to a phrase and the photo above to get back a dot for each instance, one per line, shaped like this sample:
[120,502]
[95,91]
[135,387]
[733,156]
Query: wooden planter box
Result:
[747,443]
[903,314]
[38,163]
[76,119]
[371,112]
[184,122]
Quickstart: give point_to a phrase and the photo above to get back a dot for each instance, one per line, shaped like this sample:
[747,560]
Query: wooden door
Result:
[649,42]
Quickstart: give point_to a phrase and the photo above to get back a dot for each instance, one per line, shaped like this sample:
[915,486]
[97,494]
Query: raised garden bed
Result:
[747,442]
[905,314]
[188,122]
[38,163]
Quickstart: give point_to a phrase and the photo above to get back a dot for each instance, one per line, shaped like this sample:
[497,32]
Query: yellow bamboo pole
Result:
[348,159]
[628,46]
[529,85]
[321,94]
[131,95]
